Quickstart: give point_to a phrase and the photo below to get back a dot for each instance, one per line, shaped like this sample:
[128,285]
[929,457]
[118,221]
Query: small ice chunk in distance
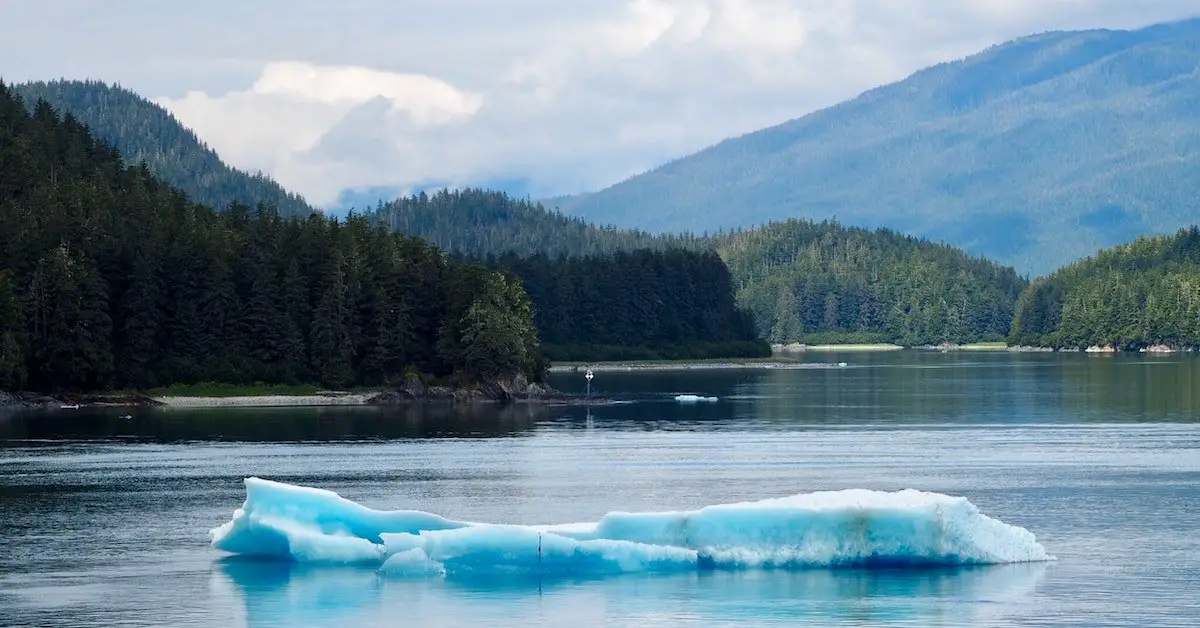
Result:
[694,399]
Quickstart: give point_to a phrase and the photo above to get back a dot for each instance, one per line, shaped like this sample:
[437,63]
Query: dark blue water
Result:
[104,520]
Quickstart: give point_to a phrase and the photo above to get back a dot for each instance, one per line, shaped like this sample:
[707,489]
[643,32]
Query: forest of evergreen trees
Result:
[800,281]
[668,304]
[110,278]
[805,280]
[1131,296]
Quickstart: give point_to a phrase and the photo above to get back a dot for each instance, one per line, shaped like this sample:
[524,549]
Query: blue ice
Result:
[694,399]
[851,528]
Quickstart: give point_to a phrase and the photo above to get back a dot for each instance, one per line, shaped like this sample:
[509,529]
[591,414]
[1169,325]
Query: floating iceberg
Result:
[853,528]
[694,399]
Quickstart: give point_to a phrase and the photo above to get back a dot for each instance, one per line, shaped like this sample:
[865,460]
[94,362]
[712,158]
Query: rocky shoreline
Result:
[1159,348]
[514,390]
[75,400]
[504,391]
[619,367]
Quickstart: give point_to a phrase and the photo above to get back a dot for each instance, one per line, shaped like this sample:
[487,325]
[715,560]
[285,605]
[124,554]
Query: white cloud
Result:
[572,95]
[292,108]
[427,100]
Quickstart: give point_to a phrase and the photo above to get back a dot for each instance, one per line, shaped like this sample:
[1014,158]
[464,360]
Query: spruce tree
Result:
[12,343]
[331,352]
[70,323]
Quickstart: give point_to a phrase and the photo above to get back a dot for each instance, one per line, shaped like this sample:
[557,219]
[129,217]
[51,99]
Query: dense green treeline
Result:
[478,222]
[598,293]
[109,278]
[145,132]
[668,304]
[1143,293]
[805,280]
[801,281]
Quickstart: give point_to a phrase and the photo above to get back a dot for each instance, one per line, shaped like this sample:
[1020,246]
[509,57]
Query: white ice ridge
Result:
[852,528]
[694,399]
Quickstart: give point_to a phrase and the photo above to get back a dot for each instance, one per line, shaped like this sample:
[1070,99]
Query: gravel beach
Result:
[265,401]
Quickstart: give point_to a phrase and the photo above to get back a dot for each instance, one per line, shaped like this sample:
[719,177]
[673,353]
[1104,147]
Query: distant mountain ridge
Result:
[1034,153]
[144,131]
[365,199]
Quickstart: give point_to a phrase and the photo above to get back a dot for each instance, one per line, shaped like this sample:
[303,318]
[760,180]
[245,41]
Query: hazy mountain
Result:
[144,131]
[366,199]
[1035,153]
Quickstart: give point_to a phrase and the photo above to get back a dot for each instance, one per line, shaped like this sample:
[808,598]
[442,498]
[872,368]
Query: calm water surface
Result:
[104,520]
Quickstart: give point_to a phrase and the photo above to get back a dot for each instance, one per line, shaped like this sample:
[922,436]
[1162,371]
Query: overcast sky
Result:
[573,95]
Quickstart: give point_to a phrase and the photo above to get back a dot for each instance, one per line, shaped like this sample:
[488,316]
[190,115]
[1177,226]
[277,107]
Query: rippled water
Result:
[104,520]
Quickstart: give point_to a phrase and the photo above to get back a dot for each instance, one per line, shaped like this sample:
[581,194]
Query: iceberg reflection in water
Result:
[853,528]
[276,593]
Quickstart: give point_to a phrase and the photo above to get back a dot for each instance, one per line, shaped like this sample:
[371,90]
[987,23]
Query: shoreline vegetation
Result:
[786,356]
[111,280]
[514,390]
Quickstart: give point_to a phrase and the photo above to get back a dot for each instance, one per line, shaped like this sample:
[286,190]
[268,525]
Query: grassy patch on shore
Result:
[854,347]
[840,338]
[692,351]
[985,346]
[216,389]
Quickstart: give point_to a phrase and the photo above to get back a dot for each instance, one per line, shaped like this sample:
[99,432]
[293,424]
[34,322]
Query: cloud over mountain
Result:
[571,95]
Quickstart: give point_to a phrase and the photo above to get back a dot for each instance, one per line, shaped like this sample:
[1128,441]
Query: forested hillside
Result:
[670,304]
[799,280]
[1034,153]
[110,278]
[802,279]
[598,293]
[145,132]
[1143,293]
[482,222]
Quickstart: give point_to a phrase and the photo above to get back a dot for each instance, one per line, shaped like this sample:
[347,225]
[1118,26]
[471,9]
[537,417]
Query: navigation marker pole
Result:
[587,401]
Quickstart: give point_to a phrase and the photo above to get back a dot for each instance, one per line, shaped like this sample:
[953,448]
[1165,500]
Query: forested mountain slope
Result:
[598,293]
[144,131]
[1033,153]
[109,278]
[800,281]
[1143,293]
